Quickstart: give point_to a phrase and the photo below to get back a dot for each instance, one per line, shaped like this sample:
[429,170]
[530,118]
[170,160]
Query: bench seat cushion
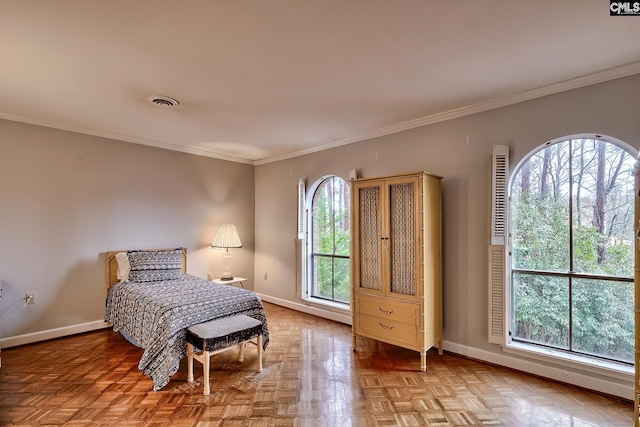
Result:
[224,332]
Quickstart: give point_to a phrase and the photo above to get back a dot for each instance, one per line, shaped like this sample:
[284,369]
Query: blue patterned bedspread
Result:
[156,315]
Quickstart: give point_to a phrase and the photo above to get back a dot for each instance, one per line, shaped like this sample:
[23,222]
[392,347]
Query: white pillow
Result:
[123,266]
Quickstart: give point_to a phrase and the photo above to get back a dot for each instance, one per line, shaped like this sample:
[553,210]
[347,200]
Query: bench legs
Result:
[241,347]
[258,343]
[189,363]
[205,358]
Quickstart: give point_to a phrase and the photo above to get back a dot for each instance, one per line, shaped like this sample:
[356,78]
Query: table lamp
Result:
[226,238]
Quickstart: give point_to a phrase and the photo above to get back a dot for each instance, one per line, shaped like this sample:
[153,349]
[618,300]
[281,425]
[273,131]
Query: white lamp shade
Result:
[227,237]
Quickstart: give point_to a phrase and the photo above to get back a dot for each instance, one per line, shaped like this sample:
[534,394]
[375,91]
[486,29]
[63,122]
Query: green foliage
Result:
[585,244]
[332,278]
[540,230]
[542,309]
[619,259]
[603,321]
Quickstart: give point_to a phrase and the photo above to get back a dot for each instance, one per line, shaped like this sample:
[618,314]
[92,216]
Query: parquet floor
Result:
[311,377]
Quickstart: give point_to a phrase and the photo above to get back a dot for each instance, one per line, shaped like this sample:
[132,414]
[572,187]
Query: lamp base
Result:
[226,278]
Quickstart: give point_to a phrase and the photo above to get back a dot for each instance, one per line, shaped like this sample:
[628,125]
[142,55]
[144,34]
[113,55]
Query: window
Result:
[330,243]
[572,208]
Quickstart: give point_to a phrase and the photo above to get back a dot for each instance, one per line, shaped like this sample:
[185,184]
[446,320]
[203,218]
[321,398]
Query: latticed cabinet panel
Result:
[403,237]
[367,237]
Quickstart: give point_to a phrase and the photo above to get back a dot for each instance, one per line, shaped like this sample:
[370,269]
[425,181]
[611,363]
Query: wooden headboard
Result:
[112,265]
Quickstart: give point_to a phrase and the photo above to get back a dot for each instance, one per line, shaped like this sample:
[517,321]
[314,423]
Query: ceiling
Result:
[258,81]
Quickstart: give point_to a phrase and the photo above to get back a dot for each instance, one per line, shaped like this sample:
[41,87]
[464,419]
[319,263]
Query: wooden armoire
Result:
[396,268]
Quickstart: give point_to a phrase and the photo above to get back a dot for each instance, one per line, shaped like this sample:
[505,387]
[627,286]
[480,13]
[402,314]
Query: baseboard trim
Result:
[611,387]
[309,309]
[52,333]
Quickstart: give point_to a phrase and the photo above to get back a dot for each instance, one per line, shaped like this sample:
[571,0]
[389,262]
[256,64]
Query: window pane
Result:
[602,208]
[541,308]
[342,217]
[323,219]
[322,277]
[603,323]
[331,278]
[331,226]
[540,211]
[341,282]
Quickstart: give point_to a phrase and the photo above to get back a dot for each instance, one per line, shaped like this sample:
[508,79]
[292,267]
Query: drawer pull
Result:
[385,311]
[384,326]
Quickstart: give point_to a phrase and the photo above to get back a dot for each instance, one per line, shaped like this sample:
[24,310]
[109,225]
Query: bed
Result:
[152,301]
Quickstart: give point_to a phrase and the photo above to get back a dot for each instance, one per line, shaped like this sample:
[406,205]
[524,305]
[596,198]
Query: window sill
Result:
[584,363]
[337,306]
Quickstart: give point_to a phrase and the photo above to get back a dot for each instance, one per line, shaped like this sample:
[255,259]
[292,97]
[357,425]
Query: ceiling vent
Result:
[163,101]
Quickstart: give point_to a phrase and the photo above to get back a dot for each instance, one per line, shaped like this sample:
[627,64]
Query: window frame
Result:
[539,351]
[310,255]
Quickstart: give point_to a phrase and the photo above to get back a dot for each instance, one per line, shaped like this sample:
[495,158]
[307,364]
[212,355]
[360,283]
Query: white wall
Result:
[67,198]
[611,108]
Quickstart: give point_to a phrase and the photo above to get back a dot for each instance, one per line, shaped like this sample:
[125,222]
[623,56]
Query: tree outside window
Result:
[572,249]
[331,241]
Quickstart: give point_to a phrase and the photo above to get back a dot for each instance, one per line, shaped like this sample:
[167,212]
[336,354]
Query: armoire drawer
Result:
[386,309]
[387,330]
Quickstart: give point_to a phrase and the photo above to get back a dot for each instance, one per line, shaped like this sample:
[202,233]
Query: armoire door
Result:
[402,249]
[368,228]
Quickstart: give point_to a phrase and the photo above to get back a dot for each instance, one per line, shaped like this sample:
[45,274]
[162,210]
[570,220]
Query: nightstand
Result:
[230,282]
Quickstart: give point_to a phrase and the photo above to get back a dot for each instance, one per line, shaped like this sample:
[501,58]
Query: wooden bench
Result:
[220,335]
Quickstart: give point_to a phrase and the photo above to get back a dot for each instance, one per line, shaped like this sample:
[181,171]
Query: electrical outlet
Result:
[265,276]
[30,298]
[209,276]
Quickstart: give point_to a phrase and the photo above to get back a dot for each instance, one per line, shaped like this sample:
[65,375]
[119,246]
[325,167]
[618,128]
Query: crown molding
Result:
[120,137]
[603,76]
